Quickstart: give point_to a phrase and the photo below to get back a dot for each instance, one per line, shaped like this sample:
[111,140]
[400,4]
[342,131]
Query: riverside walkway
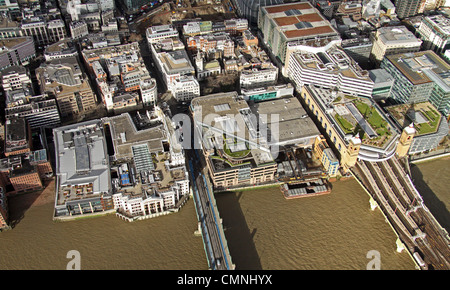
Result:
[391,188]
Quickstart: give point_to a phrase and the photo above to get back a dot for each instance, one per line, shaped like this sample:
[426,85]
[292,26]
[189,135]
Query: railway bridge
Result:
[392,190]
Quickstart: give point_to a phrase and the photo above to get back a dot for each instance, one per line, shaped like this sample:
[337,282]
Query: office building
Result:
[267,93]
[407,8]
[149,91]
[353,137]
[38,111]
[60,49]
[435,32]
[185,88]
[383,82]
[9,28]
[16,51]
[358,48]
[78,29]
[255,78]
[430,127]
[238,152]
[83,179]
[150,179]
[249,9]
[15,78]
[64,79]
[17,137]
[420,76]
[291,23]
[158,32]
[326,156]
[392,40]
[327,65]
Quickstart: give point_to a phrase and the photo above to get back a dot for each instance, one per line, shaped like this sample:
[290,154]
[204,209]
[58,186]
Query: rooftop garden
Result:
[234,153]
[424,115]
[349,124]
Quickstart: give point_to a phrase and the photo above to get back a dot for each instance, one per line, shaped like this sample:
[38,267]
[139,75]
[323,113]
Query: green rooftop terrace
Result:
[425,116]
[356,115]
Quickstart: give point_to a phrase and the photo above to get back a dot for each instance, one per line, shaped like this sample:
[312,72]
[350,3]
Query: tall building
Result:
[283,24]
[407,8]
[238,152]
[16,51]
[249,8]
[420,76]
[38,111]
[328,66]
[435,32]
[392,40]
[83,179]
[64,79]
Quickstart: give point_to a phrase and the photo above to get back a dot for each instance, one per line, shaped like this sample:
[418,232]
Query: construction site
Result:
[179,10]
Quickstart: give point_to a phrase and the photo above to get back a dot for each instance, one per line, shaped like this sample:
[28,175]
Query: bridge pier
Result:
[373,204]
[400,245]
[198,232]
[414,209]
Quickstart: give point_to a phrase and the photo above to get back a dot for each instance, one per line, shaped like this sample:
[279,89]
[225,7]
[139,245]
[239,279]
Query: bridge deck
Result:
[388,183]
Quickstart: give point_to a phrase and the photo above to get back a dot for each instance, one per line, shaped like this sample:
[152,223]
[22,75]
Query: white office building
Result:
[158,32]
[435,32]
[328,66]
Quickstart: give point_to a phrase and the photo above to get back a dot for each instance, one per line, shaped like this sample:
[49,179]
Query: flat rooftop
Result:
[81,161]
[422,67]
[288,114]
[125,135]
[397,35]
[285,119]
[334,60]
[11,43]
[424,116]
[176,61]
[298,20]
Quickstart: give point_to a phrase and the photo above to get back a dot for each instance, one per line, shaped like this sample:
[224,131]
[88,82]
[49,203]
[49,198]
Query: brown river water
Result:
[264,231]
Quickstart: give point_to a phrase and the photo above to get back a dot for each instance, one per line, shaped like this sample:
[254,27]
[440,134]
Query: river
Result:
[264,231]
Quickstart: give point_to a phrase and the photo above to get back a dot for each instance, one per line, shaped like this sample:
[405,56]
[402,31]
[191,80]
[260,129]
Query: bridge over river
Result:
[210,223]
[392,190]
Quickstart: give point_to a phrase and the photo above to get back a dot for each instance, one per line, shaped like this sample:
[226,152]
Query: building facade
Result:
[393,40]
[328,66]
[435,33]
[420,76]
[16,51]
[292,22]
